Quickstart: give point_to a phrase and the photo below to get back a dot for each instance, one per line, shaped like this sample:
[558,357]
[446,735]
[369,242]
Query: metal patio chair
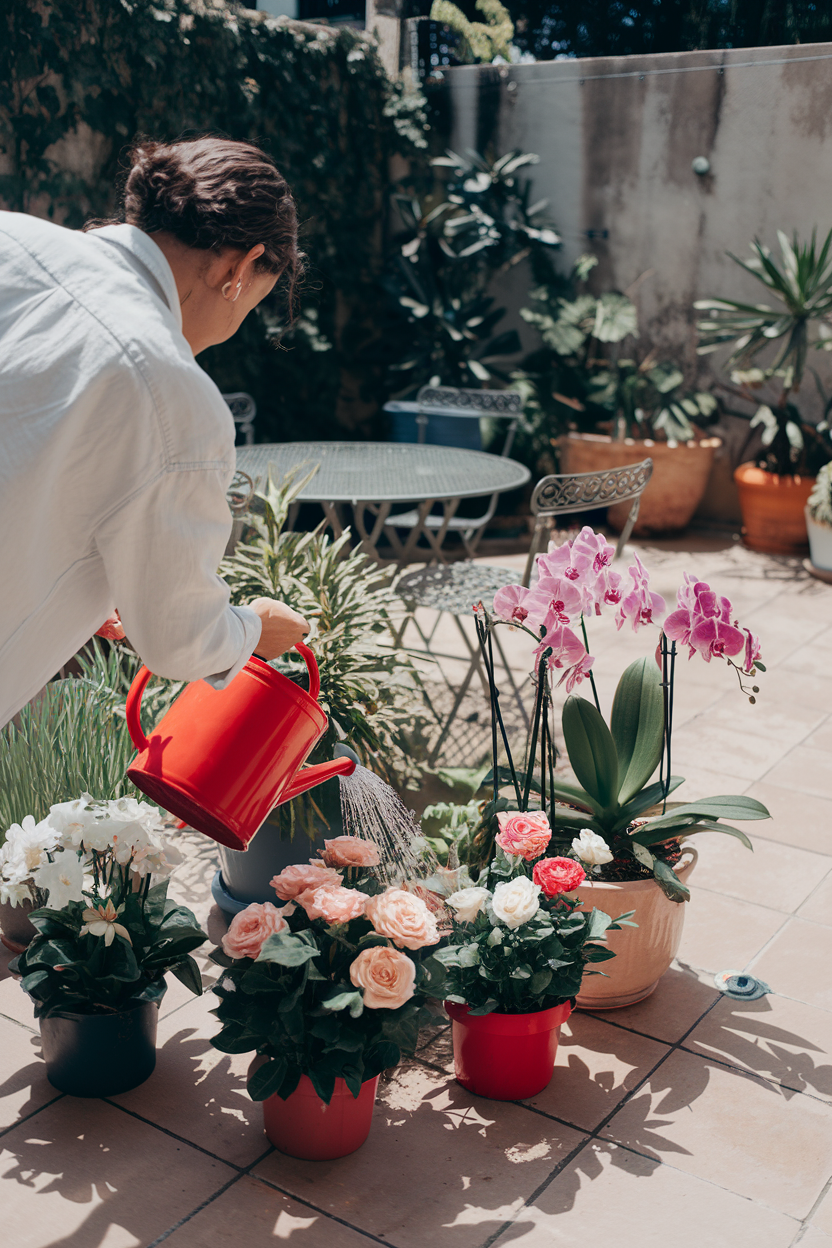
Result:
[457,587]
[244,410]
[473,405]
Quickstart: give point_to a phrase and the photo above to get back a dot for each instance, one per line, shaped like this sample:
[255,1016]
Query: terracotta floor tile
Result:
[608,1195]
[817,908]
[805,685]
[253,1213]
[815,1238]
[739,1132]
[765,875]
[722,933]
[797,818]
[703,781]
[796,964]
[198,1092]
[806,769]
[822,739]
[822,1217]
[787,721]
[681,997]
[596,1066]
[82,1174]
[439,1051]
[705,743]
[24,1087]
[436,1158]
[775,1037]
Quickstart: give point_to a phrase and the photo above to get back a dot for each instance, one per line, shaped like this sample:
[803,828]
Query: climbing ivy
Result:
[79,79]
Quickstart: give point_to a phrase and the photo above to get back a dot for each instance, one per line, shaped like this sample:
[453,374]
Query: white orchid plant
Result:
[98,872]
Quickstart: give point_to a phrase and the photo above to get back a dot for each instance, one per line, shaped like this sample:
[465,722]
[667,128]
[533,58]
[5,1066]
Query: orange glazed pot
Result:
[303,1126]
[675,490]
[642,954]
[773,518]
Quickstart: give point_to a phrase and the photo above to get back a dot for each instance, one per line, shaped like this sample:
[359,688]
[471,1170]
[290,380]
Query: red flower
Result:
[558,875]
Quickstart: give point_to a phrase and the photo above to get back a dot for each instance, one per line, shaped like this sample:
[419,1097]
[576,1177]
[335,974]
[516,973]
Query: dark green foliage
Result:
[551,28]
[296,1006]
[318,100]
[65,971]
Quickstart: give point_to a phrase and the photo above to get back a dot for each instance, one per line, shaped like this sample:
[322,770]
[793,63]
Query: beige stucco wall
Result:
[617,136]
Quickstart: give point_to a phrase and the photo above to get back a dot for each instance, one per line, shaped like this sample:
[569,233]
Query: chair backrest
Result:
[451,401]
[243,409]
[585,491]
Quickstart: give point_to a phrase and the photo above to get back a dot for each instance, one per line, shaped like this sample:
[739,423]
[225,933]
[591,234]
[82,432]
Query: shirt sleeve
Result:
[161,550]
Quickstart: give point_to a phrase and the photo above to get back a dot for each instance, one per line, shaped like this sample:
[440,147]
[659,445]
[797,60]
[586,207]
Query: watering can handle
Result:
[312,667]
[134,706]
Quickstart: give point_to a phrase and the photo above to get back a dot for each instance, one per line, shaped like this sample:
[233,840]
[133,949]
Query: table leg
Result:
[416,532]
[330,510]
[369,541]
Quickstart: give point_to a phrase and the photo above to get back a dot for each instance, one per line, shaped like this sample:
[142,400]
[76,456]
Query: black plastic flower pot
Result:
[100,1054]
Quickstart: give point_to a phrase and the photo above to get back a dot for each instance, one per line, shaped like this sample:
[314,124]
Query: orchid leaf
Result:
[591,750]
[733,807]
[572,795]
[651,796]
[636,724]
[669,882]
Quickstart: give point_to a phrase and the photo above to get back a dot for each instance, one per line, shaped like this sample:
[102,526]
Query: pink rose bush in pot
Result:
[517,954]
[328,990]
[613,814]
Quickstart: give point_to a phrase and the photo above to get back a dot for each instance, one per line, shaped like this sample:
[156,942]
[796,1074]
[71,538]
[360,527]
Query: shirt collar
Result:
[142,247]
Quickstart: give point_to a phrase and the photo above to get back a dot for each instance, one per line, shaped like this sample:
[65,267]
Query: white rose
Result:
[516,901]
[591,848]
[468,902]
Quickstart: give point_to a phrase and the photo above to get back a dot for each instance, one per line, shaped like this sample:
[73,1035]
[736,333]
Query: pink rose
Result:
[336,905]
[387,977]
[558,875]
[251,928]
[350,851]
[403,917]
[295,880]
[525,835]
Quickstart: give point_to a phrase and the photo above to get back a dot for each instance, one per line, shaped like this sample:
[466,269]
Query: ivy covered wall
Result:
[79,79]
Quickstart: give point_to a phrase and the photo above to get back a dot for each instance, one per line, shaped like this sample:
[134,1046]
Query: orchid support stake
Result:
[538,706]
[591,677]
[496,716]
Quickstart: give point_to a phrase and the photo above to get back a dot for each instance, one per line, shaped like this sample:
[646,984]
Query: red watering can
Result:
[222,759]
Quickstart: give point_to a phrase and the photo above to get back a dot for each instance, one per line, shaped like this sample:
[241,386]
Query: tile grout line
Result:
[33,1114]
[807,1221]
[210,1200]
[333,1217]
[594,1133]
[172,1135]
[7,1018]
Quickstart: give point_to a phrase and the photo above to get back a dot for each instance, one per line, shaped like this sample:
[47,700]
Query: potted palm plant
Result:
[819,520]
[775,487]
[583,383]
[368,685]
[106,937]
[615,817]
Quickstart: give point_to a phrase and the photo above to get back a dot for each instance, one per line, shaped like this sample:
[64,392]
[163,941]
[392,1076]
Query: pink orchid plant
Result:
[614,764]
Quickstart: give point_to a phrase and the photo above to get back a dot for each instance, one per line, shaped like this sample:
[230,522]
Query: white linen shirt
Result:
[116,451]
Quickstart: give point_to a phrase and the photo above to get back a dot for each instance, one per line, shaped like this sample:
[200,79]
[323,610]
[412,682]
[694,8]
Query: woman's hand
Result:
[281,627]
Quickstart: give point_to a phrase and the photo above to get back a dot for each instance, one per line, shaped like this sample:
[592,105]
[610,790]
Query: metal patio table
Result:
[372,477]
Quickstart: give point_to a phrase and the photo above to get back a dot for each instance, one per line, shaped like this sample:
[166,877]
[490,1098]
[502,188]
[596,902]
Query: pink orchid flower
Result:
[554,600]
[703,622]
[567,649]
[574,675]
[641,605]
[510,604]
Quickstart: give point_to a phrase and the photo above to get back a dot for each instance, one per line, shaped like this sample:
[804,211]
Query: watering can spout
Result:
[309,777]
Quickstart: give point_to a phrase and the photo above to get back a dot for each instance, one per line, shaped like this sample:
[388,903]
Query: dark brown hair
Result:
[212,193]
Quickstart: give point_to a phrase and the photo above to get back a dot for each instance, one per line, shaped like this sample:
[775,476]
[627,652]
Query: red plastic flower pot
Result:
[507,1057]
[303,1126]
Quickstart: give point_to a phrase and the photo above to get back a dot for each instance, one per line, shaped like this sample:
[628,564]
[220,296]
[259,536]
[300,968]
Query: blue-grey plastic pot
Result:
[100,1054]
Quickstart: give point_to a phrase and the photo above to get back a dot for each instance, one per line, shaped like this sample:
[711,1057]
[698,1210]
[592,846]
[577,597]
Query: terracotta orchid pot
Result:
[642,954]
[675,490]
[773,515]
[16,931]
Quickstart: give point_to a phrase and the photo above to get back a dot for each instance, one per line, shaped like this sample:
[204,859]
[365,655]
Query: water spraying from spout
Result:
[372,810]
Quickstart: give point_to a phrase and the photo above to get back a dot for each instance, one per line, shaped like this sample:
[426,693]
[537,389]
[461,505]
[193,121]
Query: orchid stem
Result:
[541,677]
[591,676]
[496,717]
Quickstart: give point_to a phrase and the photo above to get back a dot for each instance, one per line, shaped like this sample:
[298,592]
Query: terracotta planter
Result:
[17,931]
[100,1054]
[303,1126]
[820,543]
[643,954]
[680,476]
[507,1057]
[773,510]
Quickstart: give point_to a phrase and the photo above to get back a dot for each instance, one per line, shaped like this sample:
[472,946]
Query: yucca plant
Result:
[369,688]
[70,740]
[798,319]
